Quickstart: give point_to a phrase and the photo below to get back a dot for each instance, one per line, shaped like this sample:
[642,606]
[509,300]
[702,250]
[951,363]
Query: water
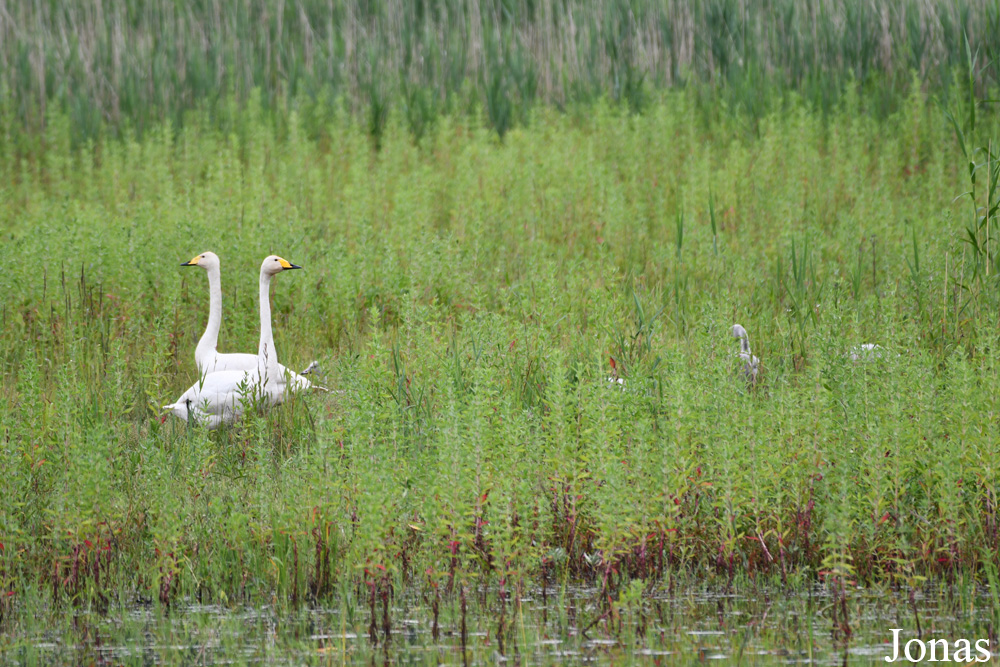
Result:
[762,626]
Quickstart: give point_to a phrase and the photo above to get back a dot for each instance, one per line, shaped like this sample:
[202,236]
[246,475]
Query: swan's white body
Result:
[750,363]
[866,352]
[223,396]
[210,360]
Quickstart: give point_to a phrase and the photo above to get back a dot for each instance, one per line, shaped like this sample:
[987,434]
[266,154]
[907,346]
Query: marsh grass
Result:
[463,296]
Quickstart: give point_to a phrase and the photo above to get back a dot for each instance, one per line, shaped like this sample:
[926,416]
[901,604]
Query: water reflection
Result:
[697,626]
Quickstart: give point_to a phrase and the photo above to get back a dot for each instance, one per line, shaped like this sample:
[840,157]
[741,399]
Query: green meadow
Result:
[464,297]
[476,484]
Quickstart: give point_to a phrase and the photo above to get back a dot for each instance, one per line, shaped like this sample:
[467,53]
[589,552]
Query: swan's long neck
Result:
[267,357]
[745,344]
[210,339]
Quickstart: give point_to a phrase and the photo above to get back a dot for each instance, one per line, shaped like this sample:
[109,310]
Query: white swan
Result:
[205,355]
[223,396]
[751,364]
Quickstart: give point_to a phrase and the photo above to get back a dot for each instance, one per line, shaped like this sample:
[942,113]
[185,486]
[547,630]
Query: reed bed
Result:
[106,66]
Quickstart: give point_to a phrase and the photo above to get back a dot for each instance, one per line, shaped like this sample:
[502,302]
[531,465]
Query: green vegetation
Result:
[113,65]
[464,297]
[501,209]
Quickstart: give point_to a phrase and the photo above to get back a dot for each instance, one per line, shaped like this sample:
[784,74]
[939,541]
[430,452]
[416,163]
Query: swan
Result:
[205,354]
[751,364]
[222,396]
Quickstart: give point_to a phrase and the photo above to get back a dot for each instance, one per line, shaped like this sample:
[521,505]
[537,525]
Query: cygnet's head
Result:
[206,260]
[738,331]
[274,265]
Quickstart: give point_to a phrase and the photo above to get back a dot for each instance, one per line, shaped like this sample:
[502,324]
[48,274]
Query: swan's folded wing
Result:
[217,394]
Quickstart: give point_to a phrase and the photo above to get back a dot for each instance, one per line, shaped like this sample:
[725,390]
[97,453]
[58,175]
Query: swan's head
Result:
[274,265]
[738,331]
[206,260]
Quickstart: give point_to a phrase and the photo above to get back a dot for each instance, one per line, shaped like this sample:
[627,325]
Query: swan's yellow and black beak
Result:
[193,262]
[286,265]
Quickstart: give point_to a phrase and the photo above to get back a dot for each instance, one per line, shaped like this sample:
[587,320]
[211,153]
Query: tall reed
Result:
[136,64]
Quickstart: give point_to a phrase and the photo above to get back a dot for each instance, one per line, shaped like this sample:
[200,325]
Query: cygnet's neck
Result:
[745,343]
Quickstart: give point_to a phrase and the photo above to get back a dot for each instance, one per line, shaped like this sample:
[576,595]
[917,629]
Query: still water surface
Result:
[754,627]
